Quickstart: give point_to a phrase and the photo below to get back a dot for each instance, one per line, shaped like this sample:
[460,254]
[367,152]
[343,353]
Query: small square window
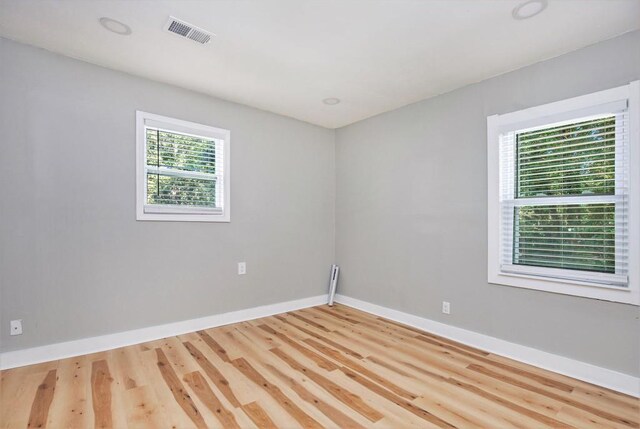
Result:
[182,170]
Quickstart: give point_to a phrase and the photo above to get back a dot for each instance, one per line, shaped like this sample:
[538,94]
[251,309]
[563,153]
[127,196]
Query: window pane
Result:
[182,191]
[577,237]
[181,152]
[573,159]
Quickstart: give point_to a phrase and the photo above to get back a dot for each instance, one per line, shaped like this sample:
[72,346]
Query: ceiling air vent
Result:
[187,30]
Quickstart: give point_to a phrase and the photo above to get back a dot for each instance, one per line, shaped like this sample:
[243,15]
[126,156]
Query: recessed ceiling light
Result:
[529,9]
[115,26]
[332,101]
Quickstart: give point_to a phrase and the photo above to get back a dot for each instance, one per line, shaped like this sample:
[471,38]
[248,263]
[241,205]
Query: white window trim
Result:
[179,214]
[531,117]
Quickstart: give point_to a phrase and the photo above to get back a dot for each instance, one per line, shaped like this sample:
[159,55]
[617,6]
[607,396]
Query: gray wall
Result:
[74,262]
[411,212]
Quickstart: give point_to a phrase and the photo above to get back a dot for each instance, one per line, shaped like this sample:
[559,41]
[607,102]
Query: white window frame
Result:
[552,113]
[179,214]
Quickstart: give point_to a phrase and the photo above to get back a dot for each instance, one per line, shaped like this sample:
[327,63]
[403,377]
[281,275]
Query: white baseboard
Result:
[573,368]
[112,341]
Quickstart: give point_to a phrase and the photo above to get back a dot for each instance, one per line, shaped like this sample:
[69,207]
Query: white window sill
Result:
[624,295]
[184,217]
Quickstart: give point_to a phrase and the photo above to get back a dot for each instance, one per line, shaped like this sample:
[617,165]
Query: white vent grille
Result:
[187,30]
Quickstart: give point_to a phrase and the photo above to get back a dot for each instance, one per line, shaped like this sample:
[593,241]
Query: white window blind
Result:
[564,199]
[183,170]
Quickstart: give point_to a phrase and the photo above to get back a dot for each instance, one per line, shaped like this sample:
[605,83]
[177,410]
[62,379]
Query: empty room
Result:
[320,214]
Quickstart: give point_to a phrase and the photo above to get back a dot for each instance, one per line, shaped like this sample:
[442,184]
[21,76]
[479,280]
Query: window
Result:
[182,170]
[563,196]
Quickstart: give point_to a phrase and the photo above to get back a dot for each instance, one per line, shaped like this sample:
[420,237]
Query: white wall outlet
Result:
[242,268]
[446,307]
[16,327]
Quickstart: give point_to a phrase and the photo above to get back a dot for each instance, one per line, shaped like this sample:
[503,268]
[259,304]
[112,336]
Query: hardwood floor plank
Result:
[177,389]
[434,337]
[598,393]
[446,400]
[243,389]
[351,400]
[445,369]
[17,391]
[387,365]
[332,343]
[246,343]
[334,354]
[101,394]
[310,322]
[409,345]
[167,406]
[332,312]
[323,319]
[296,412]
[259,416]
[319,360]
[142,409]
[546,378]
[341,419]
[471,357]
[126,367]
[579,419]
[546,381]
[521,397]
[379,390]
[199,385]
[469,351]
[612,403]
[71,406]
[503,402]
[42,401]
[260,339]
[511,404]
[214,374]
[179,357]
[444,372]
[220,351]
[600,413]
[482,415]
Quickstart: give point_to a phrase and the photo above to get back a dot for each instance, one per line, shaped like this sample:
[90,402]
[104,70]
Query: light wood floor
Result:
[318,367]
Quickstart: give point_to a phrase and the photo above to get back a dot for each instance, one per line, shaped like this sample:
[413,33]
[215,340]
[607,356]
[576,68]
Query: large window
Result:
[563,196]
[182,170]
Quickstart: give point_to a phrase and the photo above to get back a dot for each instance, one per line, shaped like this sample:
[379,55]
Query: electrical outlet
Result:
[446,307]
[242,268]
[16,327]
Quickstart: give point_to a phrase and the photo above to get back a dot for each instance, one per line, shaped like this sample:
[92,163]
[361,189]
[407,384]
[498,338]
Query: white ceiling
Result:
[285,56]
